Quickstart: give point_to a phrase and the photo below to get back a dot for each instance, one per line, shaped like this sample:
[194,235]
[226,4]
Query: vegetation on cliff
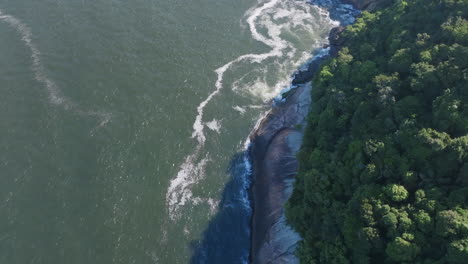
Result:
[384,165]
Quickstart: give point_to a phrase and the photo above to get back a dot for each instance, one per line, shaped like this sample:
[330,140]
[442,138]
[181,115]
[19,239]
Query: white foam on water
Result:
[239,109]
[246,177]
[214,125]
[267,21]
[274,42]
[260,120]
[262,90]
[294,18]
[179,191]
[256,106]
[213,205]
[26,36]
[55,95]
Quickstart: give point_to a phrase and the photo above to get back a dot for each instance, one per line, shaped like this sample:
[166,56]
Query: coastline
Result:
[274,145]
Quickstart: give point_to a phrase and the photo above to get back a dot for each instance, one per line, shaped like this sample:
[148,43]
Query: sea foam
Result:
[267,22]
[54,93]
[214,125]
[179,191]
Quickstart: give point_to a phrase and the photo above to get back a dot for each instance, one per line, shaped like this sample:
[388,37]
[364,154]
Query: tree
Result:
[383,173]
[396,193]
[451,222]
[458,251]
[402,250]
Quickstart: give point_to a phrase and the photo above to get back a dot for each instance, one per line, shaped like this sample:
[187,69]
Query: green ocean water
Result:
[98,105]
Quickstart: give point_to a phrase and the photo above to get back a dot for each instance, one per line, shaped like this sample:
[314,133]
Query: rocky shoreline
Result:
[275,144]
[274,147]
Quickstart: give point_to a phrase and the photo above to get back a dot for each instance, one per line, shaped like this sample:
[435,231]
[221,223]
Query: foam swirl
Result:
[267,22]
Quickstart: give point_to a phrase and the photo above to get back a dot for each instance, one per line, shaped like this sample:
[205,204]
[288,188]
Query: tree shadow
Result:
[227,237]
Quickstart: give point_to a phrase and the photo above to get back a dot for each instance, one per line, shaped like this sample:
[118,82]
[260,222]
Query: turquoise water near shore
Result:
[118,120]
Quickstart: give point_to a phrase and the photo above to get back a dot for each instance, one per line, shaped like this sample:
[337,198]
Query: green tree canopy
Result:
[384,166]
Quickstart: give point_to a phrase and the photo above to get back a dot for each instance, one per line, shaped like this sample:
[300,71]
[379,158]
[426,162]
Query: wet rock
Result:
[303,76]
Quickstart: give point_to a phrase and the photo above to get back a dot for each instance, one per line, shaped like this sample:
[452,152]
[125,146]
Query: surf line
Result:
[191,171]
[55,95]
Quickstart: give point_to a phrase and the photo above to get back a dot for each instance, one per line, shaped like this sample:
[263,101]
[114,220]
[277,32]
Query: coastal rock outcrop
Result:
[275,144]
[274,148]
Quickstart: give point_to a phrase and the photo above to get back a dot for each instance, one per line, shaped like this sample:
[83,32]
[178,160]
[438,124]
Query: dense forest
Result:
[384,165]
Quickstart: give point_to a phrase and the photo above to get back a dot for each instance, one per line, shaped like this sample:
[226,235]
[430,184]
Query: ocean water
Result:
[123,124]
